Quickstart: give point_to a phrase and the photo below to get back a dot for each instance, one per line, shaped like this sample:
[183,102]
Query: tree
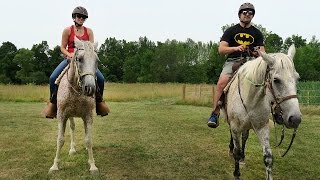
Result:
[26,61]
[215,63]
[165,65]
[273,43]
[111,54]
[41,59]
[297,40]
[8,67]
[306,61]
[54,59]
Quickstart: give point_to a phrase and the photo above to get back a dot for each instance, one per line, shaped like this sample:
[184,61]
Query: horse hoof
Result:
[230,153]
[72,152]
[53,169]
[94,171]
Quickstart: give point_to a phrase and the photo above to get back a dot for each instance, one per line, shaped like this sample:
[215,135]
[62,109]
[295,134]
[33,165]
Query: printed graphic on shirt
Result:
[244,39]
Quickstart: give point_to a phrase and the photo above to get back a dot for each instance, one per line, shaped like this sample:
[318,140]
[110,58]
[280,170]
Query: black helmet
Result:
[246,6]
[79,10]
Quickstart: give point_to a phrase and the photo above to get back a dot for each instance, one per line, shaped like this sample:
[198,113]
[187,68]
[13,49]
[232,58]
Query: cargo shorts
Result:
[227,67]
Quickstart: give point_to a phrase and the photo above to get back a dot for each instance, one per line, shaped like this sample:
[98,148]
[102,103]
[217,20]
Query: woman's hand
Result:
[70,56]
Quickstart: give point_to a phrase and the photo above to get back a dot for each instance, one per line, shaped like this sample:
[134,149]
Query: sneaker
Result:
[213,121]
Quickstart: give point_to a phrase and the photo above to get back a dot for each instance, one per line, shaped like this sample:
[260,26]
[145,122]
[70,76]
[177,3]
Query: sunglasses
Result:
[247,13]
[81,16]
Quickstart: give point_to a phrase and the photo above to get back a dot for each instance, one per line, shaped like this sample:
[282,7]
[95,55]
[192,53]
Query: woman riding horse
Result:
[79,15]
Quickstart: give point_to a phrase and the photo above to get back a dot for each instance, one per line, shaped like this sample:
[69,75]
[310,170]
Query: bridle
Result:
[276,109]
[79,74]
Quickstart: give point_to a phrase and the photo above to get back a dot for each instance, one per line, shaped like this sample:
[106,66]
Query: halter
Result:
[79,74]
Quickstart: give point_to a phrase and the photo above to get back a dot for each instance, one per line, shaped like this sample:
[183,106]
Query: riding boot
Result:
[51,110]
[102,108]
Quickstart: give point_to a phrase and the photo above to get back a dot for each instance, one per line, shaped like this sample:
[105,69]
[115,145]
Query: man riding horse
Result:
[238,43]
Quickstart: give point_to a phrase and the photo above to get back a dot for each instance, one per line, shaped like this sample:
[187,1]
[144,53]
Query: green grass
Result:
[115,92]
[151,139]
[151,134]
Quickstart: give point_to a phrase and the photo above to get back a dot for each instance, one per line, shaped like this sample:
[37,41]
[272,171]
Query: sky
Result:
[29,22]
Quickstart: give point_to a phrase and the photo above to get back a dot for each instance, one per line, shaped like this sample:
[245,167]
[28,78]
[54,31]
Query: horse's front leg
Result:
[60,142]
[72,143]
[88,140]
[236,153]
[231,145]
[245,136]
[263,135]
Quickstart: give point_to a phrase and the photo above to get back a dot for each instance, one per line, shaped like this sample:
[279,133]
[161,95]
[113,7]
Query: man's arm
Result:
[225,49]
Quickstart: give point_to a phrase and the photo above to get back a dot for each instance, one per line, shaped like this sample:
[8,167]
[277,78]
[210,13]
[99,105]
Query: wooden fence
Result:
[204,93]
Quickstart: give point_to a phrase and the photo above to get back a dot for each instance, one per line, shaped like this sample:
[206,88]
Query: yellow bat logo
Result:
[244,39]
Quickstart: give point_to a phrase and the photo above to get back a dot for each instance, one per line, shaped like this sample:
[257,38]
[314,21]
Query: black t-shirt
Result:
[237,35]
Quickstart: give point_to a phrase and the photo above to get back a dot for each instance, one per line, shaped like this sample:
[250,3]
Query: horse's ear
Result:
[292,51]
[95,45]
[266,57]
[77,43]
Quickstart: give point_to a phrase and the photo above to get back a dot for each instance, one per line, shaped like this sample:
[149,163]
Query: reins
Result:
[276,109]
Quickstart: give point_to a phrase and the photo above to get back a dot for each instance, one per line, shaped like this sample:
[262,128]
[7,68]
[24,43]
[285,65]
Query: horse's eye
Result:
[277,81]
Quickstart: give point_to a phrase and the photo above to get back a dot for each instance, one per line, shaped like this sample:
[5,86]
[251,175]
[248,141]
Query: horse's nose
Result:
[89,90]
[294,121]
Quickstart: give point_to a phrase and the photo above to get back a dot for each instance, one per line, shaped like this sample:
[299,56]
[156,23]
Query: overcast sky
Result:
[28,22]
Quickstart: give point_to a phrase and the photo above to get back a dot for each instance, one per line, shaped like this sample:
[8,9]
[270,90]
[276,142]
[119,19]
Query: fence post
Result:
[184,92]
[308,98]
[213,92]
[199,91]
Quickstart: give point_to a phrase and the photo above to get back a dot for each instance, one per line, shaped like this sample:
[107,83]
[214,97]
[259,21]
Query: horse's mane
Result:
[255,70]
[89,46]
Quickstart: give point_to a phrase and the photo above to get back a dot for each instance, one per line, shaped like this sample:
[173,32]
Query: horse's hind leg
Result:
[72,144]
[88,141]
[60,142]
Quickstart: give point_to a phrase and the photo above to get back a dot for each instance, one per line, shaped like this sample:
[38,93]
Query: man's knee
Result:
[222,83]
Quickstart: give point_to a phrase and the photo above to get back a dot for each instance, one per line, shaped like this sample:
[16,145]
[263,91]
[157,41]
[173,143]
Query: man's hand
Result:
[240,48]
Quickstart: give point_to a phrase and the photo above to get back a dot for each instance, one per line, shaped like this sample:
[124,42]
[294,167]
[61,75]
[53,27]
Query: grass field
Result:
[151,137]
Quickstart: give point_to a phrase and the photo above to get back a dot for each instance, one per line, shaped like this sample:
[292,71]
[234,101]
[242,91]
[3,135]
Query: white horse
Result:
[261,86]
[75,98]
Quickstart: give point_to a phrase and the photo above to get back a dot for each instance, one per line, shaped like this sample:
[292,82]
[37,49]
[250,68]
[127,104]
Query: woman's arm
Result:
[64,43]
[91,36]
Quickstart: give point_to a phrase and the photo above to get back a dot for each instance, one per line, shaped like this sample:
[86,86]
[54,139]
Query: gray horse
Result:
[261,86]
[75,98]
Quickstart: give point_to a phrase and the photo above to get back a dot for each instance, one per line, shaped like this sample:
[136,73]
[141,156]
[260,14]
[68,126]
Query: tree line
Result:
[146,61]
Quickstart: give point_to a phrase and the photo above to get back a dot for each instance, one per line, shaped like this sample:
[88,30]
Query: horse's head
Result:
[281,79]
[86,62]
